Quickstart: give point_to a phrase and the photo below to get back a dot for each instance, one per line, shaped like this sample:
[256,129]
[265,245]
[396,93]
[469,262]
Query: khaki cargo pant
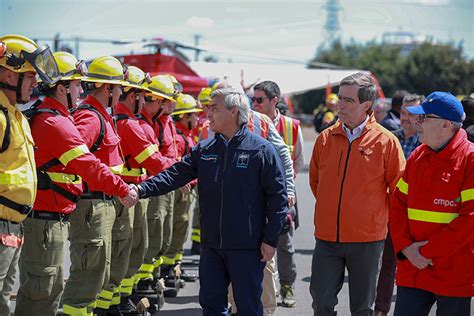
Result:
[140,242]
[120,255]
[160,230]
[182,205]
[8,263]
[90,234]
[41,267]
[270,291]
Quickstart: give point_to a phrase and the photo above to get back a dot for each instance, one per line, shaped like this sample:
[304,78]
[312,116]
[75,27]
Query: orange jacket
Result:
[352,182]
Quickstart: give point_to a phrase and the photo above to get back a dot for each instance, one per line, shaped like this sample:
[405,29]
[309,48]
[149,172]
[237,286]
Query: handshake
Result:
[132,198]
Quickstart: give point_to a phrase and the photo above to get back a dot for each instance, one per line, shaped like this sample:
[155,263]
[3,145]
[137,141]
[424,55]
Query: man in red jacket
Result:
[431,214]
[92,222]
[62,166]
[142,158]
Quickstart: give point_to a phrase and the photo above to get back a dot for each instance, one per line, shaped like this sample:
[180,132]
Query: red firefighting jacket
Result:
[56,137]
[141,155]
[89,125]
[166,133]
[434,201]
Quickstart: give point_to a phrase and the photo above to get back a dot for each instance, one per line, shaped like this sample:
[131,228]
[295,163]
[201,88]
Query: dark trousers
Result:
[386,281]
[330,259]
[417,302]
[217,268]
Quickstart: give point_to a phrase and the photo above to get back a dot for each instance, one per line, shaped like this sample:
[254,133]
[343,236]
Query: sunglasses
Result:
[421,118]
[258,100]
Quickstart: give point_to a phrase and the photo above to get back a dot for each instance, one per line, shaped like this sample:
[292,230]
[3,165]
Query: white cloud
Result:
[429,2]
[200,22]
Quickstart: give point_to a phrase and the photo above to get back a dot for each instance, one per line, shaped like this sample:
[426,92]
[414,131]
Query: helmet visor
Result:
[79,72]
[43,62]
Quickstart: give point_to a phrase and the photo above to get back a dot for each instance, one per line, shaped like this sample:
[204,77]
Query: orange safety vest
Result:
[287,127]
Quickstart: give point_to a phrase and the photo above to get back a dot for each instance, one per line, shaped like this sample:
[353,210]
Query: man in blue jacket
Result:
[243,203]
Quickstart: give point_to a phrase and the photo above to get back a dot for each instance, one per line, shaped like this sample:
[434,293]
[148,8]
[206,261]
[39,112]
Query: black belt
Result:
[49,216]
[20,208]
[96,195]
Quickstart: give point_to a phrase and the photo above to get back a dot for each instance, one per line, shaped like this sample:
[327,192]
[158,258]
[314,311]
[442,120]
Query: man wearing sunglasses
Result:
[19,64]
[265,100]
[431,214]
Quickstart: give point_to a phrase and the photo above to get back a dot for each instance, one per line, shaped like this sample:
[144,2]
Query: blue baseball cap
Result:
[442,104]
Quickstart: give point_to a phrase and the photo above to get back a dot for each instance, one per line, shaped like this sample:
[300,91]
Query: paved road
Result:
[186,304]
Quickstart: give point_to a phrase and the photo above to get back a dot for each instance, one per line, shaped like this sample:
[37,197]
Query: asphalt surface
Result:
[187,302]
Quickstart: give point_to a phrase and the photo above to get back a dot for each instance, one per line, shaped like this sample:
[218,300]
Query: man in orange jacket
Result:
[432,217]
[355,164]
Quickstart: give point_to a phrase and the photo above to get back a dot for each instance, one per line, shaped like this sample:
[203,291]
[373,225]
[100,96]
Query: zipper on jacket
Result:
[339,164]
[222,192]
[340,193]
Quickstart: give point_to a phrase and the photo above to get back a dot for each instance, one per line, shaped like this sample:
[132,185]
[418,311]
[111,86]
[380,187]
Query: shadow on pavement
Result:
[304,251]
[183,312]
[183,300]
[308,279]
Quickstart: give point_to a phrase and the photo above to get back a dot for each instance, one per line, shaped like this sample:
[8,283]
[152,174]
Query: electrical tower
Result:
[332,28]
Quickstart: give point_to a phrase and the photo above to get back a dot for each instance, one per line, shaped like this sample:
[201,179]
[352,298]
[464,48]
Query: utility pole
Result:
[332,28]
[197,37]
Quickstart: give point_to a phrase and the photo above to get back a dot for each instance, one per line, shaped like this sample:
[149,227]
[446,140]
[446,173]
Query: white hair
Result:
[234,98]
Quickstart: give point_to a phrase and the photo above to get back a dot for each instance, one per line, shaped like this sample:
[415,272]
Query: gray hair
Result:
[367,87]
[456,126]
[233,98]
[413,98]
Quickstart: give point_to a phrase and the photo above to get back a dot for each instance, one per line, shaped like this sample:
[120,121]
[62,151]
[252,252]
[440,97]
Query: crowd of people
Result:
[117,173]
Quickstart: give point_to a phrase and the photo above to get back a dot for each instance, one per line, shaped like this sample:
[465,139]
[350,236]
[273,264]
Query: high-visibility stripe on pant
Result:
[104,299]
[126,286]
[167,260]
[146,271]
[196,235]
[116,297]
[70,310]
[178,257]
[158,262]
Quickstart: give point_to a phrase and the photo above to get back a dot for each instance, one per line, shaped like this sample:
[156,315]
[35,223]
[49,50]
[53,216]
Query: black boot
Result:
[183,275]
[196,248]
[171,279]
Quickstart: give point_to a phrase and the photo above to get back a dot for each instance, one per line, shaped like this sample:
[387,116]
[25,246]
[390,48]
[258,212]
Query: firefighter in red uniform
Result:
[186,118]
[432,214]
[91,223]
[62,165]
[142,159]
[154,99]
[168,147]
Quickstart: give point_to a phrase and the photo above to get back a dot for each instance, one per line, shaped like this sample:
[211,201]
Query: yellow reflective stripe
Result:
[133,172]
[117,169]
[92,305]
[106,294]
[116,297]
[147,267]
[430,216]
[64,177]
[147,152]
[128,282]
[402,186]
[15,178]
[467,195]
[167,260]
[178,257]
[70,310]
[196,238]
[158,262]
[72,154]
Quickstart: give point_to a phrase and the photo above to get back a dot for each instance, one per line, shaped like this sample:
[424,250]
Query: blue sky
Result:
[277,29]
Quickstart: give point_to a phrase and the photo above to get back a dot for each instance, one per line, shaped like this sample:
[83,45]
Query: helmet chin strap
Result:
[111,92]
[16,89]
[69,98]
[137,103]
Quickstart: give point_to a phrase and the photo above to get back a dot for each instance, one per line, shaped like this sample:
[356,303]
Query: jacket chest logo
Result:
[243,160]
[211,158]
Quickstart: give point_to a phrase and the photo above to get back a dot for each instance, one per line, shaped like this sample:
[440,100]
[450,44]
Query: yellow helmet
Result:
[178,87]
[21,54]
[332,98]
[69,67]
[161,86]
[185,104]
[205,96]
[105,69]
[135,78]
